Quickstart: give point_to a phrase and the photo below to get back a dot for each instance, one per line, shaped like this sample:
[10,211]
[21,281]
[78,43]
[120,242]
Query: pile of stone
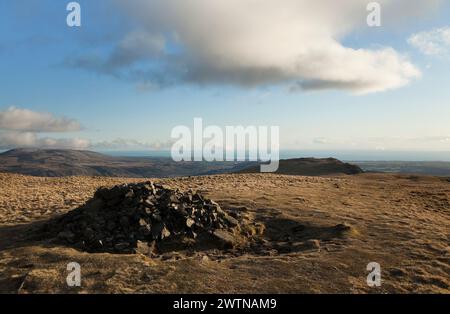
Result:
[123,218]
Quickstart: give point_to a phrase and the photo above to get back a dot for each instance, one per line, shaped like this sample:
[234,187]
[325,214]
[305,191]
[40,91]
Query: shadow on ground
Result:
[267,233]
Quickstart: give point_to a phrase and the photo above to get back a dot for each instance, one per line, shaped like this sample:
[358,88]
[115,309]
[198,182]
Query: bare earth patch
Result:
[311,235]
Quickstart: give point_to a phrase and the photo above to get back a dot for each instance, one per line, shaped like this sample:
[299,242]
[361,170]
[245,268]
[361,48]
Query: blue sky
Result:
[41,72]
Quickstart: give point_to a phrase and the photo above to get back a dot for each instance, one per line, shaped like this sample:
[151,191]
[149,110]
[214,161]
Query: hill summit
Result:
[311,167]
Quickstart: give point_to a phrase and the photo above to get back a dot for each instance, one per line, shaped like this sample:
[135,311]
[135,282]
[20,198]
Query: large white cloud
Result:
[253,42]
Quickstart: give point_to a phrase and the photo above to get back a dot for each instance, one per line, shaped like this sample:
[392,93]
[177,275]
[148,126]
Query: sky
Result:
[134,70]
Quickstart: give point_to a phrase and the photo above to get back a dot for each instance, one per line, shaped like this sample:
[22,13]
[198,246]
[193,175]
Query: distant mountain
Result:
[311,167]
[61,163]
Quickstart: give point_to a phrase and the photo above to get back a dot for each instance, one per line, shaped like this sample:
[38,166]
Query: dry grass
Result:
[401,222]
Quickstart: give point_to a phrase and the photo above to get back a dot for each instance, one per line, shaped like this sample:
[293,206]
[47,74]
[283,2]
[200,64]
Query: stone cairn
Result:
[125,218]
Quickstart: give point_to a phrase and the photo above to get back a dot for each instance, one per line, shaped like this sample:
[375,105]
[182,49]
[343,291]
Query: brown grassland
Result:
[401,222]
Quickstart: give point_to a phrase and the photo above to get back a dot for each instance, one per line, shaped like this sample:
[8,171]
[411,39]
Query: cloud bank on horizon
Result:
[26,129]
[21,128]
[252,43]
[18,119]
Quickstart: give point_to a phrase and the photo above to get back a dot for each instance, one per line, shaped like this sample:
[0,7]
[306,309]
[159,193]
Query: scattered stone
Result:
[254,229]
[134,218]
[190,222]
[142,248]
[231,220]
[205,259]
[225,238]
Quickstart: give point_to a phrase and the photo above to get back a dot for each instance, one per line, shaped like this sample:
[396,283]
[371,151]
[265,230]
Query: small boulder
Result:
[225,238]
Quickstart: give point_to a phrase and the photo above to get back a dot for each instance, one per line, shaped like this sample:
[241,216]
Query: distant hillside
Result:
[311,167]
[60,163]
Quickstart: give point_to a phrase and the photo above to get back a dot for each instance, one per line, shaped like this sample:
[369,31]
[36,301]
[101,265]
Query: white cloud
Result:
[12,139]
[21,128]
[433,42]
[30,121]
[252,43]
[15,139]
[24,128]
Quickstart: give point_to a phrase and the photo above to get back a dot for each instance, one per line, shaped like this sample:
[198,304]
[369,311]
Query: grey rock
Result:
[190,222]
[233,222]
[142,248]
[142,222]
[149,203]
[122,246]
[125,218]
[165,233]
[226,239]
[129,194]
